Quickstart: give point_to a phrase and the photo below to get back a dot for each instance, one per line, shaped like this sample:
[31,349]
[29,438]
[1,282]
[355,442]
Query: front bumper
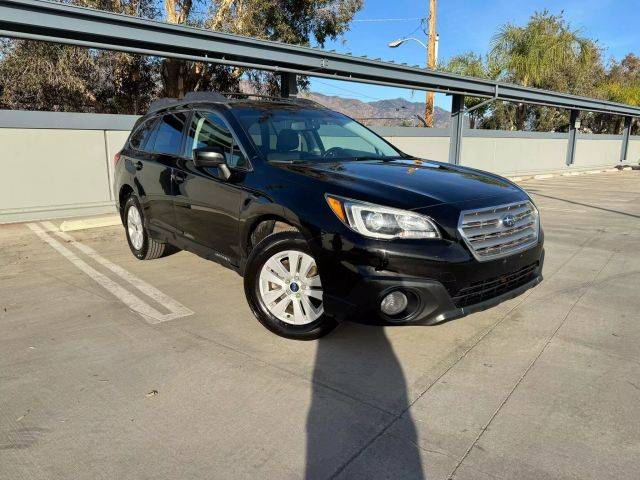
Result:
[435,303]
[444,279]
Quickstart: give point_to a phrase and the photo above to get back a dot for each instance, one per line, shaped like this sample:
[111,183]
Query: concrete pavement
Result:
[546,385]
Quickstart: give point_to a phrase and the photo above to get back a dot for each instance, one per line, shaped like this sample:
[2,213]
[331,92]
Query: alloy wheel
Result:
[290,287]
[134,227]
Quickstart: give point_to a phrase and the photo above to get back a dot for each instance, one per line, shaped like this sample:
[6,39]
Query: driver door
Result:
[208,206]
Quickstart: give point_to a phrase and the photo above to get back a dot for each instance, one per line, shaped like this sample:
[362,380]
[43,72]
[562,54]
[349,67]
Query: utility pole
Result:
[431,59]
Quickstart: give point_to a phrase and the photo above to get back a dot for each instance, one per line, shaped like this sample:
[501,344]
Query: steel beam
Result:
[67,24]
[288,84]
[573,136]
[457,123]
[626,133]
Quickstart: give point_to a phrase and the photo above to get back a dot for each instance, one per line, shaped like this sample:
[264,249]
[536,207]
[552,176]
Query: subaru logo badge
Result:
[509,220]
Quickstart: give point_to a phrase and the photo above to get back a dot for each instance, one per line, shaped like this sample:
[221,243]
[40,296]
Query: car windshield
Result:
[291,133]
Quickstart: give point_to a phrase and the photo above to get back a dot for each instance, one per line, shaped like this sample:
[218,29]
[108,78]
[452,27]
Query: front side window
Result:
[208,130]
[290,133]
[168,137]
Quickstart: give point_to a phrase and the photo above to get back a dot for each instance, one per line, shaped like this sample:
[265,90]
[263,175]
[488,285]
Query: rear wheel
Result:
[141,244]
[283,288]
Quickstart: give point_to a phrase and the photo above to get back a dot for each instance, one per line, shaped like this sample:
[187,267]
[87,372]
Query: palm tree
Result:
[622,85]
[532,54]
[468,64]
[616,91]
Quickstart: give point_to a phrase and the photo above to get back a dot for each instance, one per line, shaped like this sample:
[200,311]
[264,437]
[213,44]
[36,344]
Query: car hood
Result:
[410,183]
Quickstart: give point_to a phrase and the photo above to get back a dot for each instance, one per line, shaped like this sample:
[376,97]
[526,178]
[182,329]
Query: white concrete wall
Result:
[633,154]
[433,148]
[60,165]
[597,153]
[52,173]
[521,153]
[514,156]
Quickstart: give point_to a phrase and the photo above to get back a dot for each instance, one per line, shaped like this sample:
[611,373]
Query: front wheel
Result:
[283,288]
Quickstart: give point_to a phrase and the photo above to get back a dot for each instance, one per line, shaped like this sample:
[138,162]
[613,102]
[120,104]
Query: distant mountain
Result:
[394,112]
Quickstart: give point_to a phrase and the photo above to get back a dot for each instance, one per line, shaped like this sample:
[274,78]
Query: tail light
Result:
[116,158]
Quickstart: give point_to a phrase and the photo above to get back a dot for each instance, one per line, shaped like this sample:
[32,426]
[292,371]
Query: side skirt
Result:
[183,243]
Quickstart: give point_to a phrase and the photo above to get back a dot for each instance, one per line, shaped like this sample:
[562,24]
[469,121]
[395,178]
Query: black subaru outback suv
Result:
[324,219]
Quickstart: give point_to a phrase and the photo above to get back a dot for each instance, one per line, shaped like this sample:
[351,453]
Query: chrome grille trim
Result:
[488,239]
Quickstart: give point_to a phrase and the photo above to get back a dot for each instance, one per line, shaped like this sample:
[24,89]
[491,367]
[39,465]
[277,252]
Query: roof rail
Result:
[243,96]
[212,96]
[161,103]
[225,97]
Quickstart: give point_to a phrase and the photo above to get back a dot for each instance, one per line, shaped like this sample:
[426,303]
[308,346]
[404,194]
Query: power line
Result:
[353,92]
[416,29]
[366,20]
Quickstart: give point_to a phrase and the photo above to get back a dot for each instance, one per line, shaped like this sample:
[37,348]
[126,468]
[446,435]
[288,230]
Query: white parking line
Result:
[177,309]
[135,303]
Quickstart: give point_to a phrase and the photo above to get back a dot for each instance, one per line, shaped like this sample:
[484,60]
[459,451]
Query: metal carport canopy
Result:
[60,23]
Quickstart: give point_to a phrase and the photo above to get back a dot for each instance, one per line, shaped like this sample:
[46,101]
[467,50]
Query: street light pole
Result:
[400,41]
[431,60]
[432,56]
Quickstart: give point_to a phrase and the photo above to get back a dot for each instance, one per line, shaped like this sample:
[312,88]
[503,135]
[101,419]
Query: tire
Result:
[288,305]
[141,244]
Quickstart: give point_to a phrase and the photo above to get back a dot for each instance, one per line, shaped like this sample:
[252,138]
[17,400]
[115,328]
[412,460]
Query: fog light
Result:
[394,303]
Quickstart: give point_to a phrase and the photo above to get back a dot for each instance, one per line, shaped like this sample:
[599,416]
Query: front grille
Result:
[486,289]
[496,232]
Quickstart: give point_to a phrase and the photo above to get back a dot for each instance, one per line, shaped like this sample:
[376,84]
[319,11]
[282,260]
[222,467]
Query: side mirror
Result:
[208,157]
[212,157]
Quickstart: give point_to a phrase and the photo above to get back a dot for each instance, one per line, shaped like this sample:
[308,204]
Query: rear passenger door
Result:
[207,205]
[156,172]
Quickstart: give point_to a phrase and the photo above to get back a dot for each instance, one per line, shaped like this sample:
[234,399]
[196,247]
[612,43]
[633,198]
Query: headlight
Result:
[377,221]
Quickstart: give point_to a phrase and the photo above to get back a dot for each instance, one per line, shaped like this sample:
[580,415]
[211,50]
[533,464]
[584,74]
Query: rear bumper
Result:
[356,280]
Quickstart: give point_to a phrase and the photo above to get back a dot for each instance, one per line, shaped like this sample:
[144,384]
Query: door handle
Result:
[138,165]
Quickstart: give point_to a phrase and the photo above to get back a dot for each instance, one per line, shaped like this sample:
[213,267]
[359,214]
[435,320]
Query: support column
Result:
[573,136]
[457,122]
[626,132]
[288,84]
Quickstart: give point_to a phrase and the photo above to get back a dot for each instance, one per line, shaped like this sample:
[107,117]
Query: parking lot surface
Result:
[115,368]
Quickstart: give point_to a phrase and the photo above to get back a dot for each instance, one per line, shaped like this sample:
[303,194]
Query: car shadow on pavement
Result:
[588,205]
[351,437]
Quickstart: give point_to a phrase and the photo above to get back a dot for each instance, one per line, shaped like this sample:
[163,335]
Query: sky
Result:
[465,25]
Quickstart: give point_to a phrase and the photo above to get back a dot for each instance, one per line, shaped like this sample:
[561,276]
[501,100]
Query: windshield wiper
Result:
[295,160]
[377,157]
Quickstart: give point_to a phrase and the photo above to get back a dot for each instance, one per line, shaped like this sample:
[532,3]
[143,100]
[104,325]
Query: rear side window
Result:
[140,139]
[168,138]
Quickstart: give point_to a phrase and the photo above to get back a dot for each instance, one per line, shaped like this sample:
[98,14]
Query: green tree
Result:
[621,84]
[124,83]
[471,64]
[545,53]
[56,77]
[179,76]
[45,76]
[300,22]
